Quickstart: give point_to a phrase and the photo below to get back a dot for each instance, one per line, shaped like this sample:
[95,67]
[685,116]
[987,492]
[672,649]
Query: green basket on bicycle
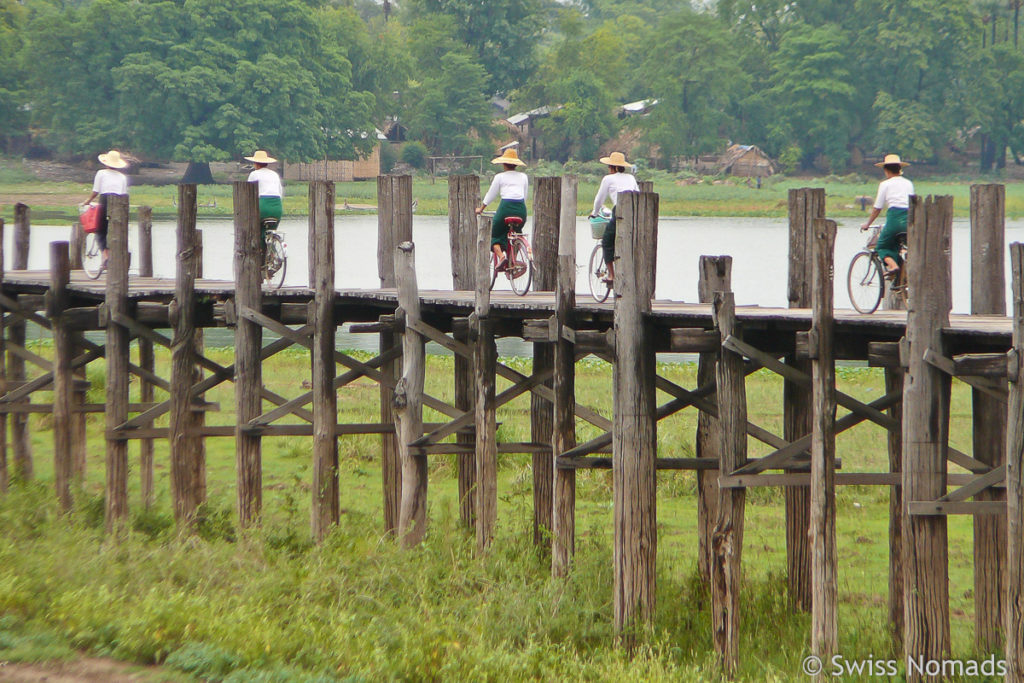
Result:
[597,226]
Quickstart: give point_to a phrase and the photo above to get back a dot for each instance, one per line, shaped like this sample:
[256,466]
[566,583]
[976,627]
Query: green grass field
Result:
[269,606]
[55,202]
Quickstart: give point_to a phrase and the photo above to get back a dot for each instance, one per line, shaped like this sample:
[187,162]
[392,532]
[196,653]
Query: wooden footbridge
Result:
[921,350]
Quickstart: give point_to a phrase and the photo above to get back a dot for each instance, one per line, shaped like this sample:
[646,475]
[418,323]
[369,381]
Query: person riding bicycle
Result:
[108,181]
[894,196]
[617,180]
[270,189]
[512,186]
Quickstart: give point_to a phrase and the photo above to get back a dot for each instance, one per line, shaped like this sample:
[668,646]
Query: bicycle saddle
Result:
[514,222]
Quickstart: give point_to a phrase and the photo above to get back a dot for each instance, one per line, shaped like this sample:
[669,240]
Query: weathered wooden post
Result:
[1014,644]
[824,574]
[147,360]
[248,340]
[21,438]
[5,476]
[63,349]
[805,205]
[988,297]
[563,436]
[715,276]
[727,540]
[894,442]
[117,362]
[925,432]
[645,185]
[484,362]
[199,416]
[547,198]
[412,520]
[463,198]
[394,226]
[183,440]
[325,506]
[76,241]
[634,434]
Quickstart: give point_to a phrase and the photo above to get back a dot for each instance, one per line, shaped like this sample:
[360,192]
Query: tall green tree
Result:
[449,108]
[13,17]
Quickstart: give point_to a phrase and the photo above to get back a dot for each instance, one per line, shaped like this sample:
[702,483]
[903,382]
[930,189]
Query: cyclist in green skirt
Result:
[894,196]
[512,186]
[270,189]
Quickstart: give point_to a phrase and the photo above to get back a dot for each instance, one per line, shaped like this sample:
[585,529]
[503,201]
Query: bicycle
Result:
[518,266]
[865,280]
[92,256]
[597,269]
[275,254]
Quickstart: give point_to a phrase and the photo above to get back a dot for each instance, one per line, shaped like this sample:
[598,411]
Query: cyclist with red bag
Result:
[108,181]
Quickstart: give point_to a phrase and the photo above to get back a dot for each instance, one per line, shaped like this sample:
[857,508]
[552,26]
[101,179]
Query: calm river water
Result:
[758,247]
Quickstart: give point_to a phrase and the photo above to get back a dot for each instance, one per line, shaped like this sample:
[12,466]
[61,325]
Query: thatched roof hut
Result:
[746,161]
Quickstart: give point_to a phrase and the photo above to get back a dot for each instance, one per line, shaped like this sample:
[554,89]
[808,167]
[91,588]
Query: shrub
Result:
[414,154]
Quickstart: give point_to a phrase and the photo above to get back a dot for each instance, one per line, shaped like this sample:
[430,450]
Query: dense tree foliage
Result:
[821,83]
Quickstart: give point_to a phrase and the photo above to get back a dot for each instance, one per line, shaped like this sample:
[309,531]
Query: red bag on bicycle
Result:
[90,218]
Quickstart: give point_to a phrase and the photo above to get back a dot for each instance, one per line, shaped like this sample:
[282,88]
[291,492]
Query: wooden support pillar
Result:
[1014,643]
[183,439]
[21,437]
[645,185]
[5,476]
[563,435]
[199,416]
[727,540]
[117,351]
[146,358]
[394,226]
[894,439]
[248,342]
[715,276]
[926,433]
[484,364]
[988,297]
[325,505]
[463,198]
[63,349]
[805,205]
[547,199]
[634,432]
[77,239]
[412,520]
[824,574]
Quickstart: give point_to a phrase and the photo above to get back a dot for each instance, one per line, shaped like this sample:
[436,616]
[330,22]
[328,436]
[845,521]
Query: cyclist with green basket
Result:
[894,196]
[617,180]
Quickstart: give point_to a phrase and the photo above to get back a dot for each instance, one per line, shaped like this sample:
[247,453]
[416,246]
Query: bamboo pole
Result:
[63,349]
[824,581]
[117,351]
[183,439]
[21,437]
[412,521]
[463,198]
[925,433]
[634,434]
[146,357]
[248,340]
[563,438]
[805,205]
[484,362]
[325,504]
[1014,643]
[715,276]
[547,198]
[988,297]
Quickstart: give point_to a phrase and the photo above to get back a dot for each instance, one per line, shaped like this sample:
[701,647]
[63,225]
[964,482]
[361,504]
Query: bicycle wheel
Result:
[92,255]
[596,272]
[276,261]
[865,282]
[520,272]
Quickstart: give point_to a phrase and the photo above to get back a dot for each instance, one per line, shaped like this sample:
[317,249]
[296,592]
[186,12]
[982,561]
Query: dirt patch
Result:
[85,670]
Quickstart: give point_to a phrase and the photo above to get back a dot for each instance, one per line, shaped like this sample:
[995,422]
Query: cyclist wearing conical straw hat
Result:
[617,180]
[894,196]
[108,181]
[512,186]
[270,189]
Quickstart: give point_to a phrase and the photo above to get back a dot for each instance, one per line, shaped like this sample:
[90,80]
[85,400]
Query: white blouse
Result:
[611,185]
[270,182]
[508,185]
[109,181]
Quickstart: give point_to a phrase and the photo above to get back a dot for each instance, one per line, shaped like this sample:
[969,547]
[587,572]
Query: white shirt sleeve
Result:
[492,191]
[602,194]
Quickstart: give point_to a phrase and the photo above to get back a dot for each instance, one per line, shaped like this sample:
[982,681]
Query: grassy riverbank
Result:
[270,606]
[55,201]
